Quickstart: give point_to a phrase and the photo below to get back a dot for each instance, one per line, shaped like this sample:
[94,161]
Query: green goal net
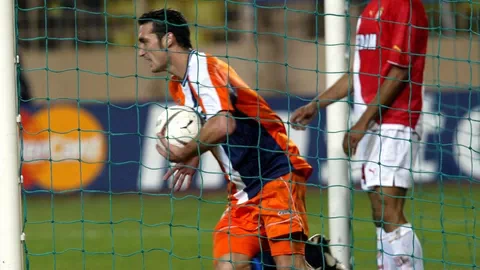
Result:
[93,195]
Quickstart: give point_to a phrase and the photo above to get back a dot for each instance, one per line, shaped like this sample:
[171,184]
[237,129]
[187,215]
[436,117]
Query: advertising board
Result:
[111,147]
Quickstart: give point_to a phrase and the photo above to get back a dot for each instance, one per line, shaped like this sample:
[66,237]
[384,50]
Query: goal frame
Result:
[10,199]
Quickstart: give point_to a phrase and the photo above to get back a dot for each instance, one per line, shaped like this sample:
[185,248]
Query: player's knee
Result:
[387,209]
[294,261]
[233,261]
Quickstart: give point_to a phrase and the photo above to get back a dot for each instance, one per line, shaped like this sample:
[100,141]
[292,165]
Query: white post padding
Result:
[339,192]
[10,205]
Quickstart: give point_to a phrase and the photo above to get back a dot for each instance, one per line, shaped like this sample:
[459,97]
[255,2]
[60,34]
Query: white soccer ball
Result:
[179,125]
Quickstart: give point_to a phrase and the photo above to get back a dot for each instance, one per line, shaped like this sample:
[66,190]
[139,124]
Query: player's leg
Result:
[233,261]
[289,251]
[387,207]
[283,213]
[385,259]
[398,238]
[235,241]
[364,154]
[396,151]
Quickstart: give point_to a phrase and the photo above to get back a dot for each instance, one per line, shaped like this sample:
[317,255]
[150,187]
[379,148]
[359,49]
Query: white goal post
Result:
[339,192]
[10,205]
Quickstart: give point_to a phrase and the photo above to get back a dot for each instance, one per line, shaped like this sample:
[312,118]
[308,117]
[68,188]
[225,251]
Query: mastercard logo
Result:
[63,148]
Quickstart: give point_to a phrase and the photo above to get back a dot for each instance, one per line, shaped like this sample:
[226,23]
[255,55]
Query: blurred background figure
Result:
[277,23]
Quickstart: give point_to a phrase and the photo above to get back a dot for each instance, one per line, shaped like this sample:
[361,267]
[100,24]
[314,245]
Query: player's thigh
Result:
[236,234]
[283,214]
[388,159]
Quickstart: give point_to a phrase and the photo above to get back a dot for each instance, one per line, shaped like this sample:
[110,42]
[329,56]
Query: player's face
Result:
[151,48]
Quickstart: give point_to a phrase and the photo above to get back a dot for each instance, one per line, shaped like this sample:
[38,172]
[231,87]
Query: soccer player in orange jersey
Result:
[391,44]
[266,174]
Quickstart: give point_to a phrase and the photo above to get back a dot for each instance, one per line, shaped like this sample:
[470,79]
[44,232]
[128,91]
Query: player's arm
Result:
[305,114]
[215,131]
[337,91]
[389,90]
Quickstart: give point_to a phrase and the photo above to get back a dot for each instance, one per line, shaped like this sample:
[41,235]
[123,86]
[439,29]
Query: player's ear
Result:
[167,40]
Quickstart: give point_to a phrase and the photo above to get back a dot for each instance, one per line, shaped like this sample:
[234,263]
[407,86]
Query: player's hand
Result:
[182,172]
[353,137]
[169,151]
[303,115]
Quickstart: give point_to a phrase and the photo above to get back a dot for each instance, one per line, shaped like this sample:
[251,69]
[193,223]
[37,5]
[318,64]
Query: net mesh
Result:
[92,194]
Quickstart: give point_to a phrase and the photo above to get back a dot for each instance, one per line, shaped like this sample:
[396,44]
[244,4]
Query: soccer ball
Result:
[179,125]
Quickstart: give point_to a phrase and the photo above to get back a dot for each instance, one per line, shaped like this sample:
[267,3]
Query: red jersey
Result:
[259,150]
[391,32]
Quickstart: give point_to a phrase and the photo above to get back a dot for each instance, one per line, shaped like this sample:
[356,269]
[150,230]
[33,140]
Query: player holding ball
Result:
[391,44]
[267,175]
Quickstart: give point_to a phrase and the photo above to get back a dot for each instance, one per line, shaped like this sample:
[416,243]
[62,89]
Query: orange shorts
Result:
[277,211]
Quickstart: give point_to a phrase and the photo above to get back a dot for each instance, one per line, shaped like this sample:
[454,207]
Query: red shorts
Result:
[277,211]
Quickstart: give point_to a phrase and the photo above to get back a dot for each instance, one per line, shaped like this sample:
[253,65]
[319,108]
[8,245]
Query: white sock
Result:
[384,259]
[407,250]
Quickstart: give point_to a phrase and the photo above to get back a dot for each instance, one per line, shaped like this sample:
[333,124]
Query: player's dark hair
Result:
[168,20]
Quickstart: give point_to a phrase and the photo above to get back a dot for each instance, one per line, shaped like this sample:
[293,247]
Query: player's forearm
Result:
[389,90]
[215,131]
[336,92]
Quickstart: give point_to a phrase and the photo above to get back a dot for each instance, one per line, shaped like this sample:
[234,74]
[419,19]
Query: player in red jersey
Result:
[266,174]
[391,44]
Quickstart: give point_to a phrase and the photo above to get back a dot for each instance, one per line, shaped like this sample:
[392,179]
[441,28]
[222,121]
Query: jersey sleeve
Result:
[214,94]
[399,23]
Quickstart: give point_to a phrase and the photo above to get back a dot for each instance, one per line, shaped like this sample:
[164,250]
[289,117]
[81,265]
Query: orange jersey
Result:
[259,150]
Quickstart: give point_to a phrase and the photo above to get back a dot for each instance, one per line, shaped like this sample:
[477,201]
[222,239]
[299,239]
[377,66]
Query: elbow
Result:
[230,125]
[226,126]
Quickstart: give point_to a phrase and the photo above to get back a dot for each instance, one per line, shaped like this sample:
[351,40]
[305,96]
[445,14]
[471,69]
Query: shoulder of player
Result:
[412,11]
[211,70]
[215,65]
[395,6]
[204,59]
[396,3]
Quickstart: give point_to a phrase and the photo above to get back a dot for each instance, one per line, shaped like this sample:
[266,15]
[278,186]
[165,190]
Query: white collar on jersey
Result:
[185,76]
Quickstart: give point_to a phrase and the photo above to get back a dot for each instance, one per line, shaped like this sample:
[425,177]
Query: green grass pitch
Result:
[161,231]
